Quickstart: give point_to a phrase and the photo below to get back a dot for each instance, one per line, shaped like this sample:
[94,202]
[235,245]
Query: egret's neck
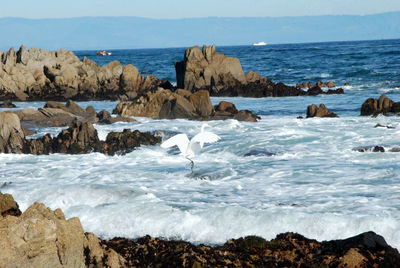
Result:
[203,127]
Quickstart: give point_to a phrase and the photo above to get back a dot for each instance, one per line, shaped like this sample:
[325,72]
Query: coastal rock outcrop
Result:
[8,206]
[321,111]
[38,74]
[41,237]
[180,104]
[221,75]
[80,138]
[383,105]
[286,250]
[57,114]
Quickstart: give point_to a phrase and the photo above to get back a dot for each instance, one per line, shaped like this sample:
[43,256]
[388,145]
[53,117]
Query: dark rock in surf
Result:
[7,104]
[383,105]
[105,117]
[321,111]
[256,152]
[286,250]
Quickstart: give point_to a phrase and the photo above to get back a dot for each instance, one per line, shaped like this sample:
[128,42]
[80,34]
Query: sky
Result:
[173,9]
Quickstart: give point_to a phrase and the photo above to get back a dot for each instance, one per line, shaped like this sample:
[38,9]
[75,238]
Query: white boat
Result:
[260,44]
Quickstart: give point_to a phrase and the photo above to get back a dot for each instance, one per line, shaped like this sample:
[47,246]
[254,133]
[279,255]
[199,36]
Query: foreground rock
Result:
[41,237]
[286,250]
[223,76]
[8,206]
[80,138]
[181,104]
[383,105]
[321,111]
[59,75]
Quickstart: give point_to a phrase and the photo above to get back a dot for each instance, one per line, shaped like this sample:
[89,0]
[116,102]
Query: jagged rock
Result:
[382,105]
[8,206]
[321,111]
[126,141]
[12,138]
[106,118]
[59,75]
[179,104]
[223,76]
[286,250]
[41,237]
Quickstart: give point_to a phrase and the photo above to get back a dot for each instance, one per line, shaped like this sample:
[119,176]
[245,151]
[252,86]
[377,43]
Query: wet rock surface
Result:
[80,138]
[37,74]
[207,69]
[286,250]
[181,104]
[383,105]
[321,111]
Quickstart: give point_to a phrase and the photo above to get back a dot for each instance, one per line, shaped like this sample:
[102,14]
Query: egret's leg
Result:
[191,163]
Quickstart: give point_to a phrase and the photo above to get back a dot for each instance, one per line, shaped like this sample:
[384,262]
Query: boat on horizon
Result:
[103,53]
[262,43]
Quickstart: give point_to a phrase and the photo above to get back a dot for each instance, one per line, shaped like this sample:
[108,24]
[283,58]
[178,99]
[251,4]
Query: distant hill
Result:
[135,32]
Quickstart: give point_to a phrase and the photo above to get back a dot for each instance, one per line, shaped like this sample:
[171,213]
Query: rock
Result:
[12,138]
[382,105]
[286,250]
[8,206]
[314,91]
[221,75]
[379,125]
[106,118]
[321,111]
[7,104]
[375,149]
[47,75]
[41,237]
[125,142]
[181,104]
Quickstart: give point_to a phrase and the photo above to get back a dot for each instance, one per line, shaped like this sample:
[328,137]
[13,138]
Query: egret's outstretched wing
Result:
[205,137]
[180,140]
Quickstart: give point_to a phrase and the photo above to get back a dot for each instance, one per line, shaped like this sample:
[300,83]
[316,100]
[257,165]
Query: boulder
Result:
[106,118]
[7,104]
[12,138]
[382,105]
[41,237]
[8,206]
[321,111]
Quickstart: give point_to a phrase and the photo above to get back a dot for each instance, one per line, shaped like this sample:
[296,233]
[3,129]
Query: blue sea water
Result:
[303,175]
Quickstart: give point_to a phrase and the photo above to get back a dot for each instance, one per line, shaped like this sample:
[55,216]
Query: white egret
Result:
[190,148]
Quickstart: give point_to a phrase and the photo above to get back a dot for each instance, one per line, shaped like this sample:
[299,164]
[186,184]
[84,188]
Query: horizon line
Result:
[206,17]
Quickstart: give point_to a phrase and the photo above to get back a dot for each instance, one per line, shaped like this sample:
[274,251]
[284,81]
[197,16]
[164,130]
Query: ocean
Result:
[281,174]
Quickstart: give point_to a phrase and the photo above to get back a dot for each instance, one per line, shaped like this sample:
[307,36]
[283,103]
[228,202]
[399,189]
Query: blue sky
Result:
[190,9]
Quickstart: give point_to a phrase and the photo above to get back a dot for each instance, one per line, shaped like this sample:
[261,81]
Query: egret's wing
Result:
[205,137]
[180,140]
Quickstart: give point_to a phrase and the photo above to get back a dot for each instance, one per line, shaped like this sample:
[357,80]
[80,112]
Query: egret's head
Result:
[205,125]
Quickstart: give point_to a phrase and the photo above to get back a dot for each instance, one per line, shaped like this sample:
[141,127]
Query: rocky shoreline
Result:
[41,237]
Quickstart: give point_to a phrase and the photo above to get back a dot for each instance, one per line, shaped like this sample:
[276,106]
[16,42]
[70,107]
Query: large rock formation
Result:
[382,105]
[59,75]
[223,76]
[41,237]
[179,104]
[80,138]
